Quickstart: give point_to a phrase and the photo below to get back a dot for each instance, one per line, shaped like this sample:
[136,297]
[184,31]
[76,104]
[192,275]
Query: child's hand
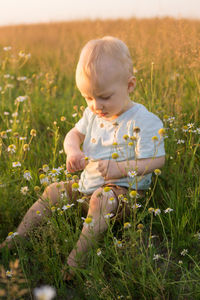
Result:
[75,161]
[109,169]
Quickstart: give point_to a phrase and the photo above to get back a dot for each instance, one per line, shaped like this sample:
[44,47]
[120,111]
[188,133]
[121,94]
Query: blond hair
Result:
[95,51]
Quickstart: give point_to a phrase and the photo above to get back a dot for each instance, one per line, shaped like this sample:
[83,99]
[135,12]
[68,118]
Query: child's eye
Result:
[106,98]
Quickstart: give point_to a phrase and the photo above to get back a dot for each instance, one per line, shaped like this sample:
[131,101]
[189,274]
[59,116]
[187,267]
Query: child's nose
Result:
[97,104]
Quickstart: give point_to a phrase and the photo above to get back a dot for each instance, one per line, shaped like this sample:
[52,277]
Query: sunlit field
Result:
[153,254]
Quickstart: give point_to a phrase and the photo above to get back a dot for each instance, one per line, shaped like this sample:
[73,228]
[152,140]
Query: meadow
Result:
[154,254]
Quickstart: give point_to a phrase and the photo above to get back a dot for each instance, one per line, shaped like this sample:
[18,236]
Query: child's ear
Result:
[131,84]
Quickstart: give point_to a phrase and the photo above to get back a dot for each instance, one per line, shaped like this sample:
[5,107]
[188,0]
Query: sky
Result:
[34,11]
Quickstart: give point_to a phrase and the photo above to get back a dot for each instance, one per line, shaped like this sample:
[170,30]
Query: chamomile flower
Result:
[44,179]
[133,194]
[9,273]
[81,200]
[54,172]
[112,200]
[16,164]
[98,251]
[117,242]
[136,205]
[132,174]
[127,225]
[38,213]
[21,99]
[27,175]
[26,147]
[3,135]
[75,186]
[88,222]
[65,207]
[24,190]
[157,172]
[11,148]
[33,132]
[7,48]
[44,293]
[184,252]
[11,235]
[168,210]
[115,155]
[45,168]
[156,256]
[108,215]
[157,211]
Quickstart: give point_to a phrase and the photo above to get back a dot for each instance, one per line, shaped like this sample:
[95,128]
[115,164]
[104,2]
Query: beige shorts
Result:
[123,208]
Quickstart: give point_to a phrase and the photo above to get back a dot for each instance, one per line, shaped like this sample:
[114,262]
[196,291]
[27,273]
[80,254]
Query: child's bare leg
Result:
[37,212]
[99,206]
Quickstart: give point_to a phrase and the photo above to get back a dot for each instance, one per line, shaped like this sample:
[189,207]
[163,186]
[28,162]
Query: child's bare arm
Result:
[111,169]
[75,157]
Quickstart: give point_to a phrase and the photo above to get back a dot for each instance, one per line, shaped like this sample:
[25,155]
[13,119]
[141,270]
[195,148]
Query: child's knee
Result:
[96,199]
[52,192]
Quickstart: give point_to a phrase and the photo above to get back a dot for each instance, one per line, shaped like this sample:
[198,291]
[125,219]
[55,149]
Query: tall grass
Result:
[155,256]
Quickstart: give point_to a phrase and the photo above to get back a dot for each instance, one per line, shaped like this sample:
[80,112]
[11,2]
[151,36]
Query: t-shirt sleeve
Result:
[82,124]
[146,146]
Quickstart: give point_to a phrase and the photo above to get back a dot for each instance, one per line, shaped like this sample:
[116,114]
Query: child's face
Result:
[110,97]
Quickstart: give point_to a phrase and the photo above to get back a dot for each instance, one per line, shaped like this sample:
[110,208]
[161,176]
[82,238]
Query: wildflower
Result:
[11,148]
[133,138]
[107,189]
[133,194]
[74,115]
[157,211]
[24,190]
[136,205]
[125,137]
[16,134]
[45,292]
[184,252]
[88,222]
[168,210]
[33,132]
[140,226]
[130,144]
[7,48]
[98,251]
[53,209]
[45,168]
[61,151]
[63,194]
[157,172]
[38,213]
[3,134]
[185,128]
[23,138]
[127,225]
[161,131]
[115,143]
[9,273]
[11,235]
[81,200]
[132,174]
[44,179]
[108,216]
[62,119]
[117,243]
[26,147]
[75,178]
[180,262]
[65,207]
[75,186]
[154,138]
[27,175]
[37,189]
[156,256]
[190,125]
[136,130]
[21,99]
[54,172]
[197,235]
[125,200]
[6,113]
[6,76]
[115,155]
[111,200]
[151,210]
[180,142]
[21,78]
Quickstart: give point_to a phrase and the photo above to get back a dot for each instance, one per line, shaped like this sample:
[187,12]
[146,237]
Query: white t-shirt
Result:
[100,135]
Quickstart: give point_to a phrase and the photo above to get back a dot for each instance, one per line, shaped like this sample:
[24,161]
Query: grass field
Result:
[158,255]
